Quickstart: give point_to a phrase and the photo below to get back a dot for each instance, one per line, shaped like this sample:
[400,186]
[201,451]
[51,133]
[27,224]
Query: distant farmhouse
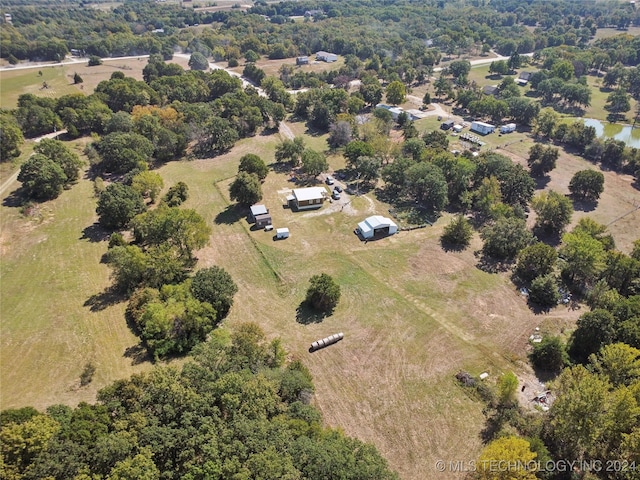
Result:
[326,57]
[307,198]
[523,78]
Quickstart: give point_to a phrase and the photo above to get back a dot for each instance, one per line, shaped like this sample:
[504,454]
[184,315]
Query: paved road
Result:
[14,177]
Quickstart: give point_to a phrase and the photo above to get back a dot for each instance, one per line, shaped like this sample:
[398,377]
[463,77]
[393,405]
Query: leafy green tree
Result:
[505,238]
[220,135]
[215,286]
[356,149]
[371,93]
[290,150]
[176,194]
[251,56]
[183,229]
[124,93]
[323,293]
[139,467]
[507,388]
[367,169]
[128,265]
[488,196]
[549,355]
[553,210]
[117,205]
[11,138]
[544,291]
[436,139]
[198,61]
[583,257]
[594,330]
[546,122]
[514,453]
[340,134]
[396,93]
[77,79]
[58,152]
[596,231]
[542,159]
[122,152]
[578,414]
[246,189]
[618,102]
[619,362]
[94,61]
[41,177]
[252,163]
[22,442]
[313,163]
[425,183]
[148,184]
[587,184]
[458,232]
[538,259]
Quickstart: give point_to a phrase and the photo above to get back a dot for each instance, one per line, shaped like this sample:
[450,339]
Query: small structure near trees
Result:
[303,60]
[307,198]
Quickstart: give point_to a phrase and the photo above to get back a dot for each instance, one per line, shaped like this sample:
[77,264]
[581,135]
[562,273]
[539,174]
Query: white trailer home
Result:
[483,128]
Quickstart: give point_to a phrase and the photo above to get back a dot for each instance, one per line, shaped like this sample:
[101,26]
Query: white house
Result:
[376,226]
[307,198]
[483,128]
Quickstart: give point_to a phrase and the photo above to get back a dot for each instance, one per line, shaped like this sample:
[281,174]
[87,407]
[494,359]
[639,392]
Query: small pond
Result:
[630,136]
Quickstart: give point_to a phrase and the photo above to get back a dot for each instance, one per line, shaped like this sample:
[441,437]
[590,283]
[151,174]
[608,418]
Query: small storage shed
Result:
[257,210]
[447,125]
[377,226]
[263,220]
[457,128]
[282,233]
[483,128]
[490,90]
[304,60]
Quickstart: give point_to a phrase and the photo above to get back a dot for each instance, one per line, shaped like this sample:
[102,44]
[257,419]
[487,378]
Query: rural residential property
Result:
[301,240]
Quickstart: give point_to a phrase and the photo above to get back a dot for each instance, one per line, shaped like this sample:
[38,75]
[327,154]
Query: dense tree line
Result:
[235,410]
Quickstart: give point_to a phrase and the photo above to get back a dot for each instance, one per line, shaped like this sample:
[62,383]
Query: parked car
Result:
[337,188]
[336,195]
[329,180]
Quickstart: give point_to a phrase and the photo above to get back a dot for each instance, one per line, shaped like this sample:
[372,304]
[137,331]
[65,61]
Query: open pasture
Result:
[413,315]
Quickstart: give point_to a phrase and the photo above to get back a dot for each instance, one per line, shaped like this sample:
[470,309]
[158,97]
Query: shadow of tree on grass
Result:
[230,215]
[95,233]
[138,354]
[103,300]
[306,314]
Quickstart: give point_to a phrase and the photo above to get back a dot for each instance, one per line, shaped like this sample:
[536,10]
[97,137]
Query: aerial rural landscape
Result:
[318,239]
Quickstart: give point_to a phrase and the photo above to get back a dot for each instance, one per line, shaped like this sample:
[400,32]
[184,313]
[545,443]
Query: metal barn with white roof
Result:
[376,226]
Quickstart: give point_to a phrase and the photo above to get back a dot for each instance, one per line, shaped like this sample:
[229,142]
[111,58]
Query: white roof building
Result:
[377,226]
